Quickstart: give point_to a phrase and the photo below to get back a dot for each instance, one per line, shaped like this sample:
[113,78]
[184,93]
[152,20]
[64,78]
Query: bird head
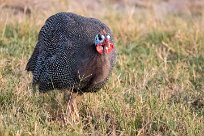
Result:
[103,44]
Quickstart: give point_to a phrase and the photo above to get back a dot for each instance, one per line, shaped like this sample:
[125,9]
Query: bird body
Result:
[73,52]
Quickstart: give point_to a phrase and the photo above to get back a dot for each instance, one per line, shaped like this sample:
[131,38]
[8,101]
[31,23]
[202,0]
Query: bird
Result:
[73,53]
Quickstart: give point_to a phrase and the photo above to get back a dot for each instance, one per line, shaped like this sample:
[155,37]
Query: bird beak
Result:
[105,47]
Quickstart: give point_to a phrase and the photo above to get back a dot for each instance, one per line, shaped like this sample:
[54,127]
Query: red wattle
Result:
[110,48]
[99,49]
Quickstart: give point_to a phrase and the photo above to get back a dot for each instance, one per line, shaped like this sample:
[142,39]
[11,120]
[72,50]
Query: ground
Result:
[156,88]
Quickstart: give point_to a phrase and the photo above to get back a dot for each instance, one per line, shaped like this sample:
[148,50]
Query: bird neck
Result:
[97,68]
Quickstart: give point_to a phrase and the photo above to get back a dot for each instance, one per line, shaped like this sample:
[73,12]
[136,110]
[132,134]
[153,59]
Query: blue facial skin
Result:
[99,39]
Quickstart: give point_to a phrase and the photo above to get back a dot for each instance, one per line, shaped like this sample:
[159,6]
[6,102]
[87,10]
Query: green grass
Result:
[156,87]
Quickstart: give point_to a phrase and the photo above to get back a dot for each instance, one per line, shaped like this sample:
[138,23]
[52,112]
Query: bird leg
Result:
[72,110]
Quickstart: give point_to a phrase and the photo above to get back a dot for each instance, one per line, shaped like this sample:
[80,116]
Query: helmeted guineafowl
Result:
[73,52]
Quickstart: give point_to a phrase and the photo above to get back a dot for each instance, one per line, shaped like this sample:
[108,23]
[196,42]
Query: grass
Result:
[156,87]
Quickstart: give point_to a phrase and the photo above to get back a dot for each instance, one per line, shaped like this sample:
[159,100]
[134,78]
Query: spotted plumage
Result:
[65,56]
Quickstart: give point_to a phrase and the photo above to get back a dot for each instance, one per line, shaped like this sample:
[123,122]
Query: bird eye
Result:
[99,38]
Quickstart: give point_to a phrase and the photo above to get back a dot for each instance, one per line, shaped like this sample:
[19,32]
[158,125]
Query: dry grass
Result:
[156,87]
